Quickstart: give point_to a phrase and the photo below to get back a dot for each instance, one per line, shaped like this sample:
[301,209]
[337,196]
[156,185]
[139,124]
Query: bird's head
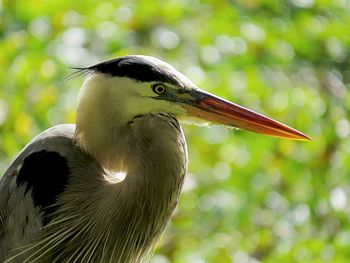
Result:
[121,89]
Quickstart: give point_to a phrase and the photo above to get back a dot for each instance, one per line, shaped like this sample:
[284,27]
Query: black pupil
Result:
[160,89]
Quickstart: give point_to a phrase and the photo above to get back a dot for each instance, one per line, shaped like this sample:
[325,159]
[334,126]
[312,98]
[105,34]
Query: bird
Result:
[105,188]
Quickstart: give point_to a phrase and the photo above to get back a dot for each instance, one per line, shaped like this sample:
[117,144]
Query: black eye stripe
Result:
[138,68]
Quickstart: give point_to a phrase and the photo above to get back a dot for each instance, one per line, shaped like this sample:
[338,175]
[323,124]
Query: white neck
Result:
[100,122]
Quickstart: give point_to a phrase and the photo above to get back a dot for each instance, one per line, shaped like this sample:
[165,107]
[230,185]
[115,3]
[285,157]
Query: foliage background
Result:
[248,198]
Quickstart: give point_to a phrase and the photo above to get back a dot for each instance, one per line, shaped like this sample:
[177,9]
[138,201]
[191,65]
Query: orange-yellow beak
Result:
[216,110]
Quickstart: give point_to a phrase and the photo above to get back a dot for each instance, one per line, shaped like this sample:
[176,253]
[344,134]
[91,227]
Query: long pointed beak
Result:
[216,110]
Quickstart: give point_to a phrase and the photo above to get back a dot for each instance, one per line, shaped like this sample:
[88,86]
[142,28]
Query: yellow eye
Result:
[159,88]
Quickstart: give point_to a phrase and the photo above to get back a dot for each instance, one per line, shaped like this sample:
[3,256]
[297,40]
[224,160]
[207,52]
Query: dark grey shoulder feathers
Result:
[41,168]
[45,174]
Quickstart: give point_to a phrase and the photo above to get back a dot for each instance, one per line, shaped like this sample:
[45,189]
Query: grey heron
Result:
[61,199]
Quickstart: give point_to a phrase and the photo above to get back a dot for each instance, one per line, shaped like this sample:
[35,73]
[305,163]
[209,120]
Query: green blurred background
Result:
[247,198]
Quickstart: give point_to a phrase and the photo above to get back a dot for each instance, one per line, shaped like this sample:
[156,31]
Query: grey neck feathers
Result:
[121,222]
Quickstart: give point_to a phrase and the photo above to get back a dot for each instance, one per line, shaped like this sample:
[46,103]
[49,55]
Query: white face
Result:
[122,98]
[153,97]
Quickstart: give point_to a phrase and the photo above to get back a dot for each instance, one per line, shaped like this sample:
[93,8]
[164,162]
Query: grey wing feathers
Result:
[30,185]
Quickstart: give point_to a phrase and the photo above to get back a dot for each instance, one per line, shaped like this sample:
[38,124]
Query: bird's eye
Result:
[159,88]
